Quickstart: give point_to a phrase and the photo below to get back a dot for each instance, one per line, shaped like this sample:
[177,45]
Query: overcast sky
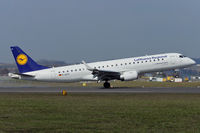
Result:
[73,30]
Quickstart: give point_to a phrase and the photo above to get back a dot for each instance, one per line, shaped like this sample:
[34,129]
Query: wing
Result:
[103,75]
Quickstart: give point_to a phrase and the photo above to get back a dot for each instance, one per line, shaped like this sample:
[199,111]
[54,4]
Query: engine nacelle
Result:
[128,76]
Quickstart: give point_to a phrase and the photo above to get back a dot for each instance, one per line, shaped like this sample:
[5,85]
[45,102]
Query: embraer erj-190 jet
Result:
[122,69]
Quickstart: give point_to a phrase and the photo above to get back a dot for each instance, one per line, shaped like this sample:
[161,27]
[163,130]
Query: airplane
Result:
[126,69]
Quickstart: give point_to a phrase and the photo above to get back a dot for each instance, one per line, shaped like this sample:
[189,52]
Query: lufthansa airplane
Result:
[122,69]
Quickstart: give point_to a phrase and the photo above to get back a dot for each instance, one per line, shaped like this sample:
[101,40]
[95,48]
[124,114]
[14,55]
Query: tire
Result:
[106,85]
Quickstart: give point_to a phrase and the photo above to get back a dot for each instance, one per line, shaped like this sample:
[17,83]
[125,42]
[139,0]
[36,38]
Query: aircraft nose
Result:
[192,62]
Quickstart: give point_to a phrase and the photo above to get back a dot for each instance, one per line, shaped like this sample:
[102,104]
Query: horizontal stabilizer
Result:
[19,75]
[25,75]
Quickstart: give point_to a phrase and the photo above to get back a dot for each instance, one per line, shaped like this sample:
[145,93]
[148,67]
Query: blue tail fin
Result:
[24,62]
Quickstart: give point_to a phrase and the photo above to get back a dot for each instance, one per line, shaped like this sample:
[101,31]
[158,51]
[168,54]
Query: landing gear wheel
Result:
[106,85]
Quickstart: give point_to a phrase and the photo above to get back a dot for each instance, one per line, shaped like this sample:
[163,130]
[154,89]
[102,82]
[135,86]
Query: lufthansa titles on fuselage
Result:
[150,58]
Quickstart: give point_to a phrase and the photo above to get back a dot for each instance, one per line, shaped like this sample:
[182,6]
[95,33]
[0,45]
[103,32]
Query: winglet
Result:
[87,66]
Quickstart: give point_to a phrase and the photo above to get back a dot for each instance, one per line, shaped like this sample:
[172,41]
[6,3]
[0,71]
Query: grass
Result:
[99,113]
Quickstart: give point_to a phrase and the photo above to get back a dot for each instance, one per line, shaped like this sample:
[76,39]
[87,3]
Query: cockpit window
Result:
[182,56]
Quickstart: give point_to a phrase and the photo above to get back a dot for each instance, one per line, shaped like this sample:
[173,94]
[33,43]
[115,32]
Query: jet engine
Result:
[128,76]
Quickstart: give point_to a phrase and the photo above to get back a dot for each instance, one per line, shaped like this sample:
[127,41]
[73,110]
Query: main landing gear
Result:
[106,84]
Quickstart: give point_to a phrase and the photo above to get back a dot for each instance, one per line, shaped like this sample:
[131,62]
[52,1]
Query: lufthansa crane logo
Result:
[22,59]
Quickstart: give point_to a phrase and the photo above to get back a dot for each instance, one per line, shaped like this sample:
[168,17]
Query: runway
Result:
[96,90]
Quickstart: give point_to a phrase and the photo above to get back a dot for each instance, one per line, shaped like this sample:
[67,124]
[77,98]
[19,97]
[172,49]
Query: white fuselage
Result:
[151,63]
